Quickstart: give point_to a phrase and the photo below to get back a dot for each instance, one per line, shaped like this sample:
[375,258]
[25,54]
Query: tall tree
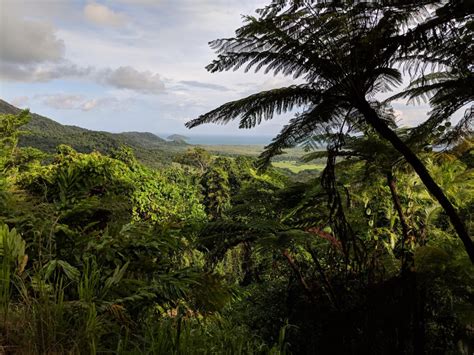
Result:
[346,52]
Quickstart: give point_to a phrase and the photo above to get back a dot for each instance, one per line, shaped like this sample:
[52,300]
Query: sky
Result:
[130,65]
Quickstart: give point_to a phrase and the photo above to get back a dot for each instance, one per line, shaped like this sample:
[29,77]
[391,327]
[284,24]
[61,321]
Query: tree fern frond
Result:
[262,106]
[316,120]
[463,129]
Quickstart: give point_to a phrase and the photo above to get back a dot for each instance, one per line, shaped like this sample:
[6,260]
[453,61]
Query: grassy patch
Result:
[292,154]
[296,167]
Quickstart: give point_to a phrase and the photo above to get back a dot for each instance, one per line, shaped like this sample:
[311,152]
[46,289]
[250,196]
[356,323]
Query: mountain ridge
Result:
[46,134]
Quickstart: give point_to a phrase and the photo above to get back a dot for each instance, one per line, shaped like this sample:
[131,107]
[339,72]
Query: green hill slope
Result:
[46,134]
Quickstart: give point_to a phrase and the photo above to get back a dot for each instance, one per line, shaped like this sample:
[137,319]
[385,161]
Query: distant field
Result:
[296,167]
[252,150]
[293,154]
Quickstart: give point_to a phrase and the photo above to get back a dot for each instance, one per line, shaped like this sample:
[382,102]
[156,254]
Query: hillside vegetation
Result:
[101,253]
[46,134]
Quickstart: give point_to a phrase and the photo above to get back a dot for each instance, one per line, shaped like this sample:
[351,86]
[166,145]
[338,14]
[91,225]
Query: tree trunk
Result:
[392,184]
[327,284]
[297,271]
[384,130]
[419,338]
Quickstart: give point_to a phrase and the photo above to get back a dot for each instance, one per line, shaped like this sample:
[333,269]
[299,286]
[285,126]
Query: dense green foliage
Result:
[100,253]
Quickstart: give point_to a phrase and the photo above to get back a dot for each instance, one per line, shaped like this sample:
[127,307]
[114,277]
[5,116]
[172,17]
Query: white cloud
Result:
[20,101]
[90,105]
[40,72]
[410,115]
[30,50]
[129,78]
[111,102]
[102,15]
[63,102]
[43,10]
[203,85]
[76,102]
[27,42]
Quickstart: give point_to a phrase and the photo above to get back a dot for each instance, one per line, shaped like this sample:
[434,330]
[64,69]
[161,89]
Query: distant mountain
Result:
[177,138]
[46,134]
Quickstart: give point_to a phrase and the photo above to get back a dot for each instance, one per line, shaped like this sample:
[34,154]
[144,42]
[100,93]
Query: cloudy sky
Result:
[122,65]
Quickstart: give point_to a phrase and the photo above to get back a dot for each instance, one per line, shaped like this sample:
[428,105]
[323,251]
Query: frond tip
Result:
[257,107]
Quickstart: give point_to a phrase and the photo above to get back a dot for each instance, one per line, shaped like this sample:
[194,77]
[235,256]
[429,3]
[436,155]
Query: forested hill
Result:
[47,134]
[177,138]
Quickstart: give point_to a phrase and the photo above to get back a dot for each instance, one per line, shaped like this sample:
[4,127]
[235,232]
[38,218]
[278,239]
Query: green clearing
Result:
[296,167]
[255,150]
